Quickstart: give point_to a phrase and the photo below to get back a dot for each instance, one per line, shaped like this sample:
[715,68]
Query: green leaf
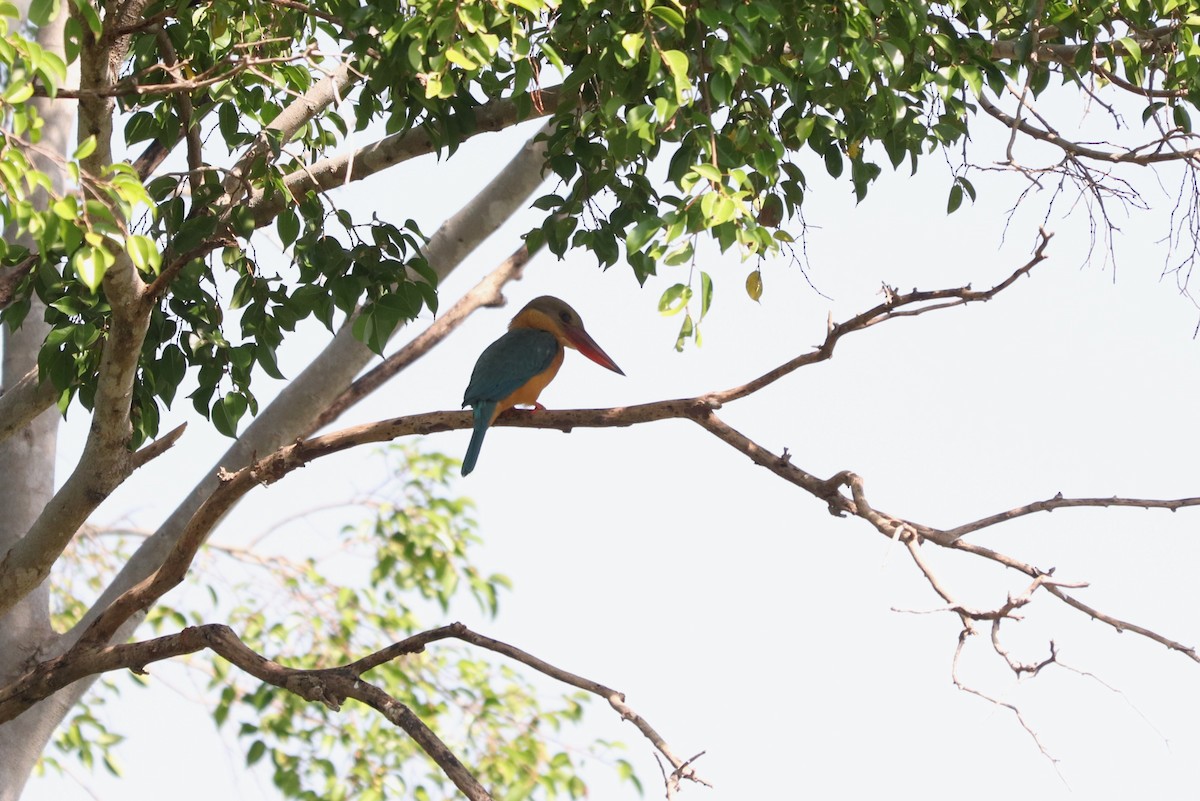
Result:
[91,263]
[680,255]
[961,186]
[85,149]
[65,208]
[632,43]
[833,161]
[708,172]
[686,331]
[955,200]
[973,78]
[669,16]
[86,10]
[803,128]
[18,92]
[677,63]
[257,749]
[172,366]
[642,233]
[1131,47]
[456,56]
[287,225]
[42,11]
[144,253]
[706,292]
[227,411]
[1182,120]
[674,299]
[433,86]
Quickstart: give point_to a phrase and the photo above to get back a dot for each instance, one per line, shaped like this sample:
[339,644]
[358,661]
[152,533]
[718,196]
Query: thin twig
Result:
[962,638]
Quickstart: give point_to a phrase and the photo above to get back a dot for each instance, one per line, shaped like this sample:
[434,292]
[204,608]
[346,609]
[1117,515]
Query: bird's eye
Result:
[565,316]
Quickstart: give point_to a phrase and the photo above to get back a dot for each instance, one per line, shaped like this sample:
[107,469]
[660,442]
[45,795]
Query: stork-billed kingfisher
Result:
[515,368]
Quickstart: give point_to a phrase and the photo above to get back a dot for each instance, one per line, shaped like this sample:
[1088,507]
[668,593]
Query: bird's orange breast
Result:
[528,393]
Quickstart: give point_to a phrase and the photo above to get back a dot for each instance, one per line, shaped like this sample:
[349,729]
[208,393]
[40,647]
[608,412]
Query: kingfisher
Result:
[515,368]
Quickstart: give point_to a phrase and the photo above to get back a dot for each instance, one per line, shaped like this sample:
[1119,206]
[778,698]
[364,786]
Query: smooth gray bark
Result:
[26,486]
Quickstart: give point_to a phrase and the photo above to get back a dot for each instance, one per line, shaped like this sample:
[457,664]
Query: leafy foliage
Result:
[741,99]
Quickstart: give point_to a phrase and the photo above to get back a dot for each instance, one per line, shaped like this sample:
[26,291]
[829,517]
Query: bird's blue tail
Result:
[483,418]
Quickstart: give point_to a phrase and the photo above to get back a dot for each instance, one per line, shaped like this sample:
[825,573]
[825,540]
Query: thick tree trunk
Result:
[27,464]
[27,484]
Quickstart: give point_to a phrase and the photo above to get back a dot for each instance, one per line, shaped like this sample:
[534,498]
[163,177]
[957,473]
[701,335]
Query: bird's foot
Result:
[524,408]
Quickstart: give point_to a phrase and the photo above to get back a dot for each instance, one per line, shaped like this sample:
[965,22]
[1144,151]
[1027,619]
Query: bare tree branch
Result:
[1116,623]
[1153,152]
[909,304]
[330,686]
[1123,625]
[1059,502]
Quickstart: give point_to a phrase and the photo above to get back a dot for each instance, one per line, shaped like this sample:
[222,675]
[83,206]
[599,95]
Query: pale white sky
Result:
[737,615]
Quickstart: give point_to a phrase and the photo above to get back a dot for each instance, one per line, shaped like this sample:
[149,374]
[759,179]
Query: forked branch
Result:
[329,686]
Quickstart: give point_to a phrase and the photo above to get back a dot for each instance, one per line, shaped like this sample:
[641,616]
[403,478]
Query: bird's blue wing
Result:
[508,363]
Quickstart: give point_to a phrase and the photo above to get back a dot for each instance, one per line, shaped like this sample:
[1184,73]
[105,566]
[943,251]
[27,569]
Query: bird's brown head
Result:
[556,316]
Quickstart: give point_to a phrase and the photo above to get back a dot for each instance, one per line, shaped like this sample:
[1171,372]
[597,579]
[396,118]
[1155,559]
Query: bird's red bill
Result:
[588,347]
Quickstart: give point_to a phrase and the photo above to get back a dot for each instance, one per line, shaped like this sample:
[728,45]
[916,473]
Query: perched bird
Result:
[515,368]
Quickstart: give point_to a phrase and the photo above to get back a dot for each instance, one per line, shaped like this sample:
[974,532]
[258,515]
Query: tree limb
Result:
[366,161]
[23,401]
[1149,153]
[329,686]
[1059,502]
[909,304]
[1152,41]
